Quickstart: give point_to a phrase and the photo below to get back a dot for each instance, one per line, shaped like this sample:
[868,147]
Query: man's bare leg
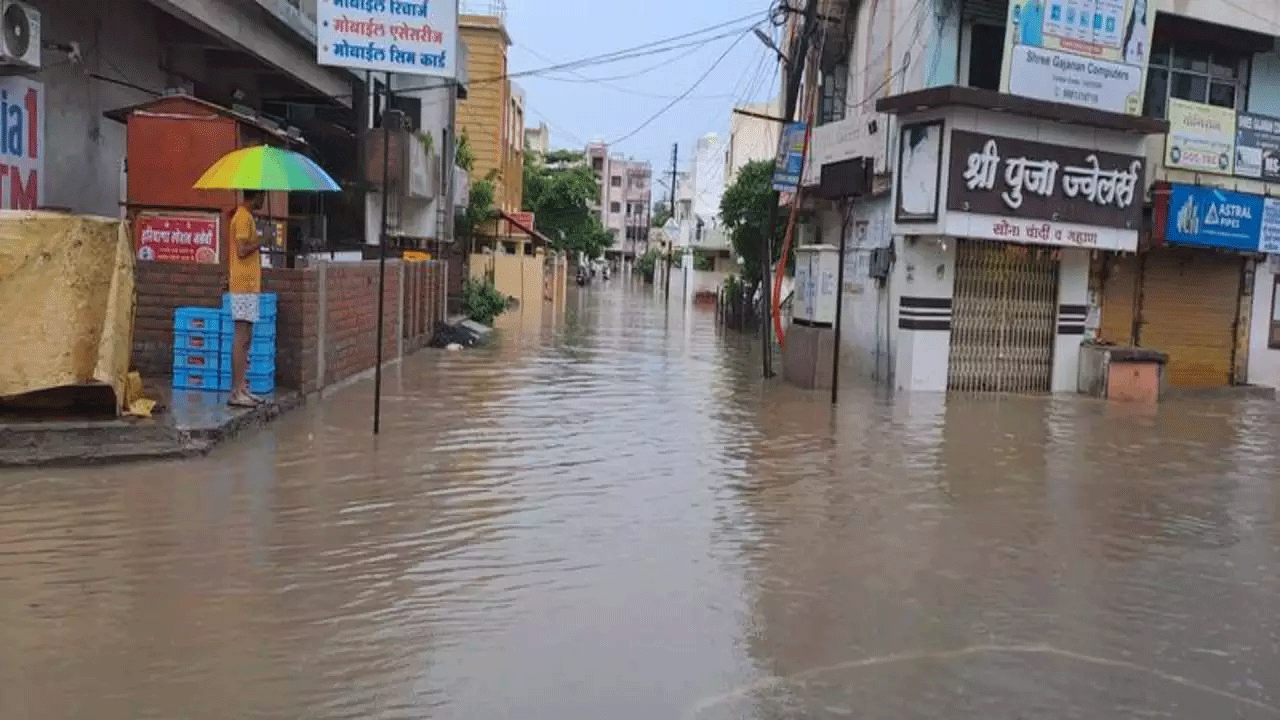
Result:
[240,365]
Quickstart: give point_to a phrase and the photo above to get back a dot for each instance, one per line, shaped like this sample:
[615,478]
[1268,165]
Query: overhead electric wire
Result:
[604,82]
[683,95]
[648,49]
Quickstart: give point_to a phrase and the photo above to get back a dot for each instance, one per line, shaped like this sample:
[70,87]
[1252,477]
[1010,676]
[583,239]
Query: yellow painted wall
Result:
[525,277]
[484,115]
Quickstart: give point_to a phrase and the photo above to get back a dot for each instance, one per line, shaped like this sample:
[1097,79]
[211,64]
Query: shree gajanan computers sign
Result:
[1092,53]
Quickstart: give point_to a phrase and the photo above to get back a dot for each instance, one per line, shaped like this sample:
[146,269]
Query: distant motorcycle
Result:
[583,278]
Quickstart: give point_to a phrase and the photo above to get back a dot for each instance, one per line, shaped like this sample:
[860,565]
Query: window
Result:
[1190,73]
[615,207]
[597,164]
[616,181]
[986,55]
[835,85]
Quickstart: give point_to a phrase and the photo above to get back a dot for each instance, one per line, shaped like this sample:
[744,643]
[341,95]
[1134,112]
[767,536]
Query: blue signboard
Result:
[790,161]
[1209,217]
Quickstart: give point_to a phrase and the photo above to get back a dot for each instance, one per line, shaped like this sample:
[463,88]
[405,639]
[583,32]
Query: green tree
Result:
[661,213]
[463,156]
[744,209]
[560,190]
[479,210]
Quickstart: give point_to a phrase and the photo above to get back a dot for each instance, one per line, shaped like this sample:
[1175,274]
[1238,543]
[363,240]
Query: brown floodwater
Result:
[610,516]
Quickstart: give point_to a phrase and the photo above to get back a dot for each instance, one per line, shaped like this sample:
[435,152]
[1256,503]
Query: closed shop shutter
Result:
[994,12]
[1004,318]
[1190,299]
[1118,299]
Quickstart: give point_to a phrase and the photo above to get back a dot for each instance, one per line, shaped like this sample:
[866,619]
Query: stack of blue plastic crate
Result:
[202,339]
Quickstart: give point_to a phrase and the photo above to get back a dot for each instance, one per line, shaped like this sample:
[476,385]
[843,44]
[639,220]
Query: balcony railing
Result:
[492,8]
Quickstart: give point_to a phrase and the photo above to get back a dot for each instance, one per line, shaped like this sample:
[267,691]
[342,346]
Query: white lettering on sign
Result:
[1228,215]
[1099,186]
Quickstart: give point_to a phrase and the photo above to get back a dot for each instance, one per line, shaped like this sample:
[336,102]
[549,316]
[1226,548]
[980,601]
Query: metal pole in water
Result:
[382,256]
[835,345]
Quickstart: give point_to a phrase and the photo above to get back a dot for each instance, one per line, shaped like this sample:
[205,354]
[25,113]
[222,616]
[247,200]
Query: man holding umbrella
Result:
[245,284]
[254,171]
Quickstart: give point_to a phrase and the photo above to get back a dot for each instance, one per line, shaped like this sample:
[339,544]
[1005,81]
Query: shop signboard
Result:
[1023,191]
[22,143]
[789,163]
[178,238]
[1092,53]
[405,37]
[1211,217]
[1030,180]
[1202,138]
[1257,154]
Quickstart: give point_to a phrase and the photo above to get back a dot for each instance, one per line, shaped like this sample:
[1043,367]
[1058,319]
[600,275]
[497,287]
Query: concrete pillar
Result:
[1073,307]
[322,320]
[925,274]
[400,310]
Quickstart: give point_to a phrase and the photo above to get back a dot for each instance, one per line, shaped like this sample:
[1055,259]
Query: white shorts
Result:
[244,307]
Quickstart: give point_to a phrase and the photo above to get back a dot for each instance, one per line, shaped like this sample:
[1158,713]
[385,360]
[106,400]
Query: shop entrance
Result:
[1004,318]
[1185,302]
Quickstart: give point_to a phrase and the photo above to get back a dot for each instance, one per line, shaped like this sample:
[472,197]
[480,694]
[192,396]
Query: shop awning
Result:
[538,237]
[952,96]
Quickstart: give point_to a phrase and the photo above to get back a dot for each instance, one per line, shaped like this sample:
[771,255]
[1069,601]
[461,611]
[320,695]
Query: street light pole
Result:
[382,254]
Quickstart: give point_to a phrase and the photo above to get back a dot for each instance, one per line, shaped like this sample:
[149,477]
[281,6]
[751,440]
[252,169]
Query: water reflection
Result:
[608,514]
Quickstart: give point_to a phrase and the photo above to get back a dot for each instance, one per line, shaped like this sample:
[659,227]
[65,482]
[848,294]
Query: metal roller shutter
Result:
[1119,298]
[1190,300]
[992,12]
[1004,318]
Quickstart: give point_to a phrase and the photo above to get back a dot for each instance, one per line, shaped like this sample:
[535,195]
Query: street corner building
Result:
[1027,196]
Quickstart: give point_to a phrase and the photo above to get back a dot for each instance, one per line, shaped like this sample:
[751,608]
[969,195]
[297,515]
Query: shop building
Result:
[999,205]
[959,292]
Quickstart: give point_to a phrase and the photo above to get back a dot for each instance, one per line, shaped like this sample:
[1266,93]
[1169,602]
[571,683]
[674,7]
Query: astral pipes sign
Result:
[21,143]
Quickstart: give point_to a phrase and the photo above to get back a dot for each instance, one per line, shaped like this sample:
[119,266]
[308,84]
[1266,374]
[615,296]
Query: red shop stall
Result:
[171,142]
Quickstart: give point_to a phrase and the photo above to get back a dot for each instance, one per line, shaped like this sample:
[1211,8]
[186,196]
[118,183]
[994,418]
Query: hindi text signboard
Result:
[408,37]
[177,238]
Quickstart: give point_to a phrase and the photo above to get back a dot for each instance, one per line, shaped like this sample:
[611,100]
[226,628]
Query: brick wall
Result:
[336,304]
[351,291]
[161,288]
[297,326]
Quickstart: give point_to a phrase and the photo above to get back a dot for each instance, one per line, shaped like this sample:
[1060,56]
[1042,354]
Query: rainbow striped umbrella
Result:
[266,168]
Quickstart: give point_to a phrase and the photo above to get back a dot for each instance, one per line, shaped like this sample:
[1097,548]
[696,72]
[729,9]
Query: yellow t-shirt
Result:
[244,273]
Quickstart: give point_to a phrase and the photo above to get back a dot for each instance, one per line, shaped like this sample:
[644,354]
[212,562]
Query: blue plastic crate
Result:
[267,304]
[259,362]
[199,341]
[188,359]
[203,380]
[197,319]
[262,383]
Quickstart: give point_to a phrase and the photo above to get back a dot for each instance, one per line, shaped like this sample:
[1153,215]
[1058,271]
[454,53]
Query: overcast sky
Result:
[549,32]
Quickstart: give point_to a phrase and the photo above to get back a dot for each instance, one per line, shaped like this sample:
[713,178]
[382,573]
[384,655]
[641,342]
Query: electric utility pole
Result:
[675,161]
[794,64]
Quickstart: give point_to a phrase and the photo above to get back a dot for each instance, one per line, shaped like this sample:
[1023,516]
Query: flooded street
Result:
[611,517]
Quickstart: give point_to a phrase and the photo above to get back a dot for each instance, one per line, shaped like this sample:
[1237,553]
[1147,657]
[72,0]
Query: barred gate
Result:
[1004,318]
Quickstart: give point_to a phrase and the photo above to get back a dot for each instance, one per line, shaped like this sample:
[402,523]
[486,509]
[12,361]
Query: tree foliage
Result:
[744,208]
[481,300]
[478,211]
[560,190]
[661,213]
[463,156]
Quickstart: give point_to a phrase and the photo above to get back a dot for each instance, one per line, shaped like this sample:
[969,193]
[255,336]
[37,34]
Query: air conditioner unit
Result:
[20,42]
